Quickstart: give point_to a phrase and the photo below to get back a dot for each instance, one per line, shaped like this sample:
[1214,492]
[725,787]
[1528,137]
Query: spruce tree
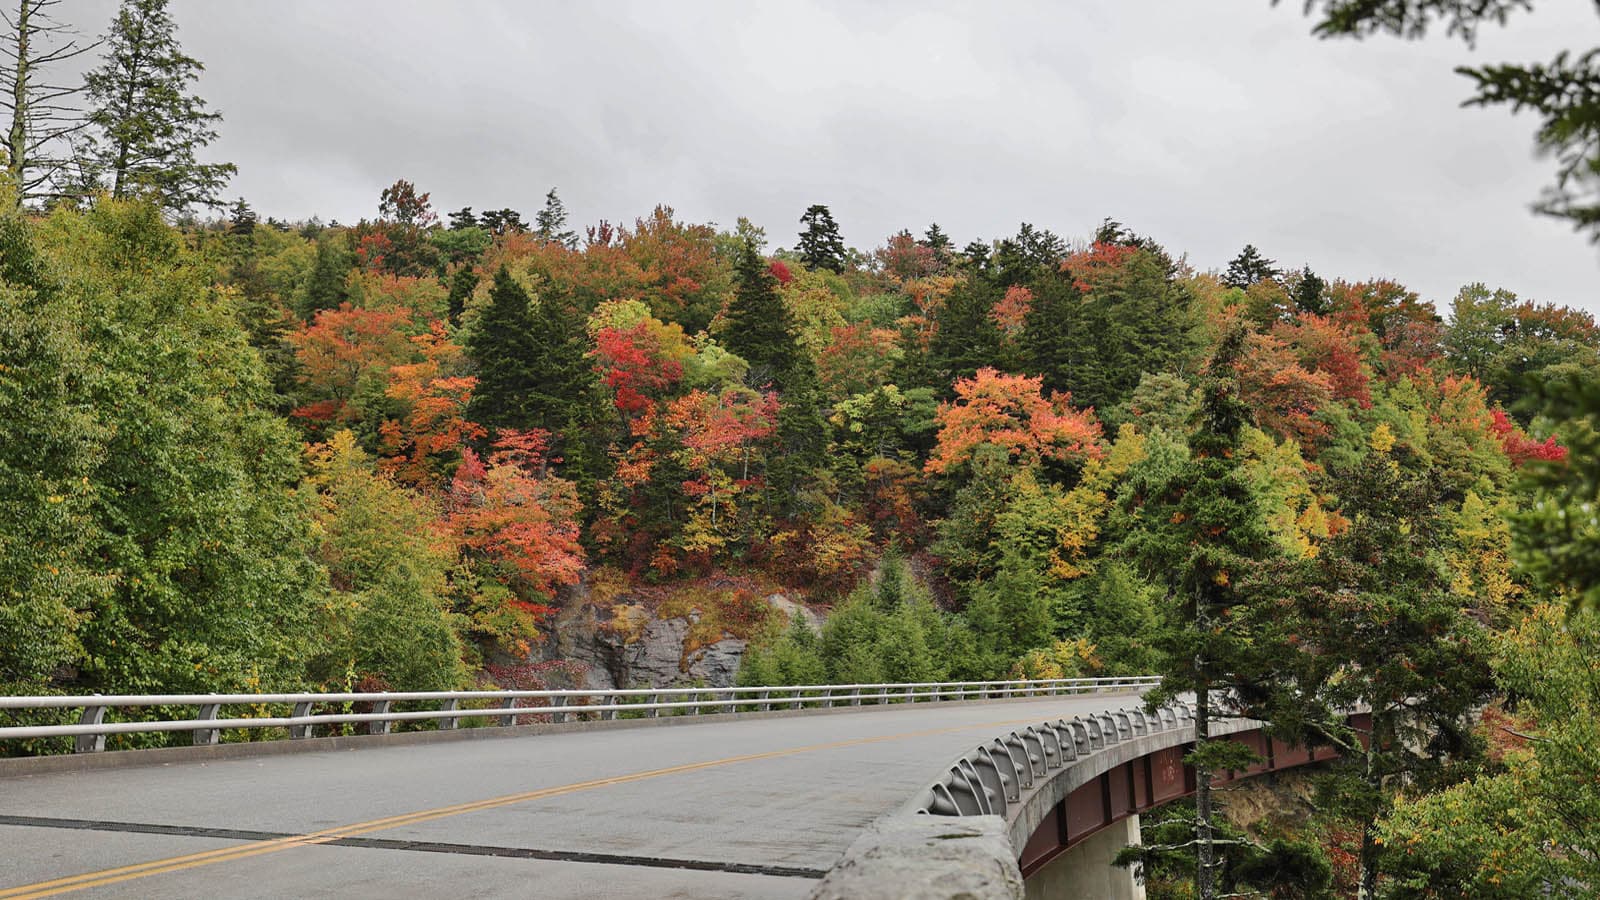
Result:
[325,286]
[967,339]
[758,328]
[551,222]
[500,345]
[532,372]
[936,240]
[1201,535]
[1248,268]
[462,284]
[820,245]
[150,126]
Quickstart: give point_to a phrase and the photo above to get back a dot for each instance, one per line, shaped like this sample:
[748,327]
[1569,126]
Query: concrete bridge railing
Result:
[1032,794]
[206,716]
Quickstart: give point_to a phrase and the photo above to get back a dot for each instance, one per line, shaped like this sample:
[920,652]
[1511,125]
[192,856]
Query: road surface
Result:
[747,808]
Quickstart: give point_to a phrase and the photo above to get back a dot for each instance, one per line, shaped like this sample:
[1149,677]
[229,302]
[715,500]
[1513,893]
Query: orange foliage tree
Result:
[1012,411]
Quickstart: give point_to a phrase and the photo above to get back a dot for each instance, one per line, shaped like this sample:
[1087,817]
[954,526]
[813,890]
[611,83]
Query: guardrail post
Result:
[654,713]
[855,698]
[765,697]
[208,713]
[301,710]
[381,707]
[449,723]
[506,721]
[558,716]
[90,743]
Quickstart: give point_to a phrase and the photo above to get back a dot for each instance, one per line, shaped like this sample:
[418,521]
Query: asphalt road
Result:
[754,808]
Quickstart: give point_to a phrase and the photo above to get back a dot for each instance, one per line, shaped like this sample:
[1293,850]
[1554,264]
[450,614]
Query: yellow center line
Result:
[105,877]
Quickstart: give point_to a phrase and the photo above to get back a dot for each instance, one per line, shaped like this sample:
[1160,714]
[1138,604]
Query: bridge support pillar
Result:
[1085,872]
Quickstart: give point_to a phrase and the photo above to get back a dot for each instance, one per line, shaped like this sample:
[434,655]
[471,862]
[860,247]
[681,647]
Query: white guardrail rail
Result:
[448,709]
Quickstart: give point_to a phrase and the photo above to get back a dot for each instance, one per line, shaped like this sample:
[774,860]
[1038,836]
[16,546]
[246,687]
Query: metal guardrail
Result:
[992,778]
[503,707]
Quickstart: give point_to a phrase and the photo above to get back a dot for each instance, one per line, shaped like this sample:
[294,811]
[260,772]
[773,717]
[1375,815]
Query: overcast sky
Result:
[1205,125]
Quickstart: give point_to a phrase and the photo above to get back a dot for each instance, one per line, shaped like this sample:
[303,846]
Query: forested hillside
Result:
[273,455]
[499,447]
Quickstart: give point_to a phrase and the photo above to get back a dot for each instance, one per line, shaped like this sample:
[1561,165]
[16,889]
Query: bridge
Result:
[734,792]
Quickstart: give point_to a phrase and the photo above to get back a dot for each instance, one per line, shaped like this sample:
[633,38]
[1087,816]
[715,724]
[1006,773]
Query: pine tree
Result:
[1310,292]
[531,364]
[509,221]
[150,126]
[462,218]
[1054,343]
[820,245]
[1248,268]
[551,222]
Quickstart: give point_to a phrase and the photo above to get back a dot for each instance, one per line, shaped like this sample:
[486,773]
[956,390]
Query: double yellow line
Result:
[106,877]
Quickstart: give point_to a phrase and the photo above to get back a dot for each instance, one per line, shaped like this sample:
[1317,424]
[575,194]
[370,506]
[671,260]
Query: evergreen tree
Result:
[508,221]
[820,245]
[967,338]
[150,126]
[462,284]
[758,327]
[1201,535]
[1248,268]
[1055,342]
[550,223]
[462,218]
[1388,631]
[241,218]
[1310,292]
[936,240]
[325,286]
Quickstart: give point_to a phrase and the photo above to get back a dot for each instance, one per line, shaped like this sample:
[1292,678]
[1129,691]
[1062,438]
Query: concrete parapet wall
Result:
[921,857]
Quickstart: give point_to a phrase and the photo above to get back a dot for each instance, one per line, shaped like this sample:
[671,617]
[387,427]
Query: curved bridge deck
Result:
[737,807]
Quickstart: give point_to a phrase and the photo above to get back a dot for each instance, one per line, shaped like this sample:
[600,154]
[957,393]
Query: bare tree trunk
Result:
[17,138]
[1205,847]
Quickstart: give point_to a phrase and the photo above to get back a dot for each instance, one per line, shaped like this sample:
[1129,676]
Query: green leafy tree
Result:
[387,559]
[150,128]
[192,521]
[50,444]
[820,245]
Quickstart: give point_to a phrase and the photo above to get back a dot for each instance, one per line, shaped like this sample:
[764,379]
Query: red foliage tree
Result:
[1522,448]
[516,519]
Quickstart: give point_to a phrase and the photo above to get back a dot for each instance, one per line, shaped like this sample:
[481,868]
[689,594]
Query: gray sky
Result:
[1205,125]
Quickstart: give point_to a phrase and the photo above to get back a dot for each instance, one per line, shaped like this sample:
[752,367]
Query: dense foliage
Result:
[240,455]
